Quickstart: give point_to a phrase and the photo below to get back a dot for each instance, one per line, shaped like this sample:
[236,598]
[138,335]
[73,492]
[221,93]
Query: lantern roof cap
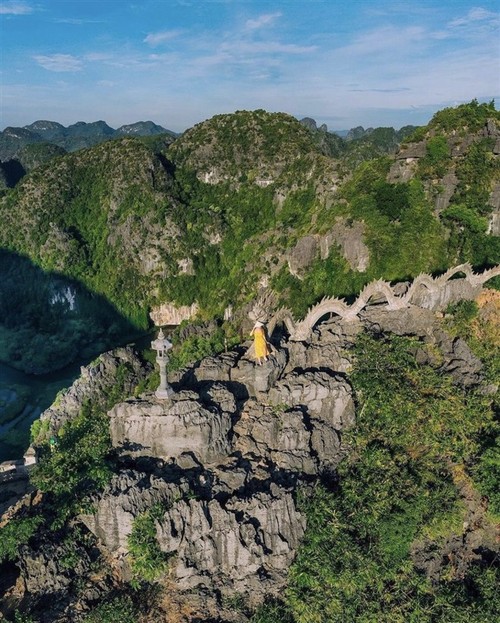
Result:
[161,342]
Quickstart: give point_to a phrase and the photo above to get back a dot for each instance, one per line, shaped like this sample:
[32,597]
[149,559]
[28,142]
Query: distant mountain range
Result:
[74,137]
[23,149]
[357,144]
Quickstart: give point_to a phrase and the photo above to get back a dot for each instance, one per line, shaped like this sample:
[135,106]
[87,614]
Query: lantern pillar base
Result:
[164,393]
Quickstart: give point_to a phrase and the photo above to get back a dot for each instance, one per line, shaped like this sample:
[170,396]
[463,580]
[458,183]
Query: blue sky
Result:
[177,62]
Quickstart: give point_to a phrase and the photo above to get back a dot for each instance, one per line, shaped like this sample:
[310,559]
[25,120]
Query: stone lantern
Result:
[161,345]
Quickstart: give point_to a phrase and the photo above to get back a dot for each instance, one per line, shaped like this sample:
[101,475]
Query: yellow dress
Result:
[261,347]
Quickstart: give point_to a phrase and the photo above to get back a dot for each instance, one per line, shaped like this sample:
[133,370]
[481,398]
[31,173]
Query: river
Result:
[23,397]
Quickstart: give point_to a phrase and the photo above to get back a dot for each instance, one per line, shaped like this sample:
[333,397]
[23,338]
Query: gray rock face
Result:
[402,170]
[494,202]
[94,383]
[259,379]
[302,255]
[459,361]
[216,368]
[329,347]
[129,494]
[278,435]
[44,572]
[412,150]
[237,446]
[325,397]
[167,429]
[350,239]
[243,545]
[410,321]
[14,484]
[170,314]
[448,185]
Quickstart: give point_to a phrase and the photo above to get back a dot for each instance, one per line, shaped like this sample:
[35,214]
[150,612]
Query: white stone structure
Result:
[428,292]
[161,345]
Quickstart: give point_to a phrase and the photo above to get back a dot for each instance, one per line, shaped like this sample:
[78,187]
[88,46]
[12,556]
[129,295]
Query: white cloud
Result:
[59,62]
[261,21]
[97,57]
[78,22]
[245,48]
[388,39]
[15,8]
[155,38]
[476,14]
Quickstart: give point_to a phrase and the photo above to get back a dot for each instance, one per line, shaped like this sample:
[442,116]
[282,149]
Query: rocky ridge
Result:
[224,460]
[442,188]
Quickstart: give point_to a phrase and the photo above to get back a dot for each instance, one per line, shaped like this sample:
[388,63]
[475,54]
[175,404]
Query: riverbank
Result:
[23,397]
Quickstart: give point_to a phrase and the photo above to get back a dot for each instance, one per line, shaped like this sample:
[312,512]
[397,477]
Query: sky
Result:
[344,63]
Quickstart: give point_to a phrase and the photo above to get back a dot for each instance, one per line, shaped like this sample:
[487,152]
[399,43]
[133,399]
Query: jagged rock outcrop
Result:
[407,158]
[167,429]
[302,255]
[222,461]
[129,494]
[94,383]
[249,542]
[168,314]
[227,453]
[350,239]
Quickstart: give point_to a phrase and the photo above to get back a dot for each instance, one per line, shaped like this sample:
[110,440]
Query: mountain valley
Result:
[351,477]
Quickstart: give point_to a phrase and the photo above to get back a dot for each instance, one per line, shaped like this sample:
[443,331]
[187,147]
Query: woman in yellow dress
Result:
[261,346]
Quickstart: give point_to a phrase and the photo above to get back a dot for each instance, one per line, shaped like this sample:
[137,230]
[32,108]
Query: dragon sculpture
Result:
[425,291]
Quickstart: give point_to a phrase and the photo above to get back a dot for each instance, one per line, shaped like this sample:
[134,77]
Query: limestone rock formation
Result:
[167,429]
[350,239]
[302,255]
[222,461]
[94,383]
[168,314]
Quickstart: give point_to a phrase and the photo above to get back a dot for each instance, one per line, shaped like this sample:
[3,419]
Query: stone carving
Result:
[428,292]
[162,346]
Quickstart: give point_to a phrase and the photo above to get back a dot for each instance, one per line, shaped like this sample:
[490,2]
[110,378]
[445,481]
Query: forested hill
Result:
[249,202]
[353,476]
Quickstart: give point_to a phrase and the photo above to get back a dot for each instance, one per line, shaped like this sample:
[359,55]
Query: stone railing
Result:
[434,293]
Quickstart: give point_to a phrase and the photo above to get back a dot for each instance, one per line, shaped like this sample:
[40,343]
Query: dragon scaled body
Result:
[426,291]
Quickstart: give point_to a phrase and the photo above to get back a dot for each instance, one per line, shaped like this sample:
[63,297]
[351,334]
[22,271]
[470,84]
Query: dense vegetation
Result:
[422,452]
[210,216]
[48,321]
[462,119]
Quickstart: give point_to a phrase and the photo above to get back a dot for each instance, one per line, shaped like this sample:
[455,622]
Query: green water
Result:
[23,397]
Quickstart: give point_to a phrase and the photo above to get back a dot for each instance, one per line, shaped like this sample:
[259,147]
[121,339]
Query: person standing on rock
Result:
[260,342]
